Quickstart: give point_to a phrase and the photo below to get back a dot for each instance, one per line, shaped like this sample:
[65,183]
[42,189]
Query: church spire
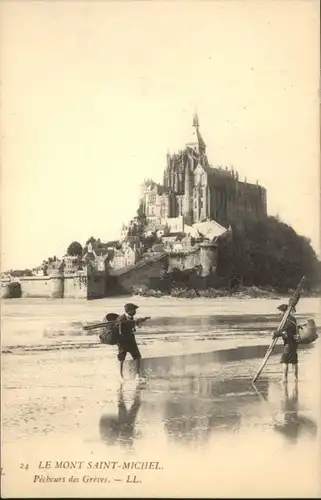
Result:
[196,142]
[195,121]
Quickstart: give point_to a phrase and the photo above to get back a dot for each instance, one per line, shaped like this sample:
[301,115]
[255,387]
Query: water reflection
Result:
[191,409]
[293,423]
[167,366]
[289,420]
[210,404]
[120,428]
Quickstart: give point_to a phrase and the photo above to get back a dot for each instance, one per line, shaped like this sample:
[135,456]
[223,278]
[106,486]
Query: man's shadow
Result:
[294,423]
[120,428]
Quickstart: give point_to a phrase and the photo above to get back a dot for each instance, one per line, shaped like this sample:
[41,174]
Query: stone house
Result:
[126,256]
[173,242]
[72,263]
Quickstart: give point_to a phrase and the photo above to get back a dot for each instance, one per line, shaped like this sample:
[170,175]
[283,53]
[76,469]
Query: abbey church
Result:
[195,191]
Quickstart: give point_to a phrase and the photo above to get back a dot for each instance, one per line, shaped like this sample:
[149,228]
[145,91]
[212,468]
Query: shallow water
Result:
[198,415]
[39,324]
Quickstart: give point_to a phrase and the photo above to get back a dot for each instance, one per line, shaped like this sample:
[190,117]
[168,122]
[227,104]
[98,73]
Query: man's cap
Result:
[130,307]
[283,308]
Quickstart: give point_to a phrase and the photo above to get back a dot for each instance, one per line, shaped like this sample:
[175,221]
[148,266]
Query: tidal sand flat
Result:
[197,427]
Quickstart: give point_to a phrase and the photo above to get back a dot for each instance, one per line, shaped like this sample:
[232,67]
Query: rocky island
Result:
[201,232]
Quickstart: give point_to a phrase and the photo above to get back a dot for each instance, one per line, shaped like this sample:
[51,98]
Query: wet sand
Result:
[198,423]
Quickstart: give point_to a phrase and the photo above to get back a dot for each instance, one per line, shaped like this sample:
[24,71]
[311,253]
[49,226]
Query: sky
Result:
[94,94]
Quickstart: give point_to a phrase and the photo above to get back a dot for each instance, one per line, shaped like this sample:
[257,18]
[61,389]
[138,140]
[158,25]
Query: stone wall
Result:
[94,285]
[10,289]
[71,286]
[75,286]
[42,286]
[208,259]
[205,256]
[149,273]
[137,276]
[183,262]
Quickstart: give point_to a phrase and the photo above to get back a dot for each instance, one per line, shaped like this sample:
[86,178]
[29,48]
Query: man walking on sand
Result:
[126,325]
[290,337]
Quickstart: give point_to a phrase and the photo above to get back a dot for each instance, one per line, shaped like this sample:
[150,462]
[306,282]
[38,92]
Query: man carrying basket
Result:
[125,324]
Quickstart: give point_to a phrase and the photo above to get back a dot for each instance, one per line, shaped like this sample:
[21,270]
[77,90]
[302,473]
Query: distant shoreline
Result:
[241,292]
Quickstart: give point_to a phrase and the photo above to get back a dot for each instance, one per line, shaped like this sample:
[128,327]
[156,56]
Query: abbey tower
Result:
[197,191]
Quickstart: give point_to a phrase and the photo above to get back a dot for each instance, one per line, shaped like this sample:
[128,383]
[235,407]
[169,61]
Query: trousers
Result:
[128,345]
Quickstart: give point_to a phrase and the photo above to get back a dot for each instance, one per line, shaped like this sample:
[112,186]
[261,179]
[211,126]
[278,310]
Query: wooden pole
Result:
[108,323]
[292,303]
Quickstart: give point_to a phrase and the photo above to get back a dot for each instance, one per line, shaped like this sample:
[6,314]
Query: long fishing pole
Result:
[292,303]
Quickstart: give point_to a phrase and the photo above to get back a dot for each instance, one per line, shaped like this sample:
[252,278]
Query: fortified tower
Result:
[208,258]
[57,284]
[57,280]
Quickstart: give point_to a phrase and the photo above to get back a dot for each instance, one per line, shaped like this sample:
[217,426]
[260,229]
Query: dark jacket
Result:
[289,333]
[125,326]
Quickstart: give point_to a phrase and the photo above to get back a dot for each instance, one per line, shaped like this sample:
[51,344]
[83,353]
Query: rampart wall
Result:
[139,275]
[93,285]
[75,286]
[5,289]
[205,256]
[42,286]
